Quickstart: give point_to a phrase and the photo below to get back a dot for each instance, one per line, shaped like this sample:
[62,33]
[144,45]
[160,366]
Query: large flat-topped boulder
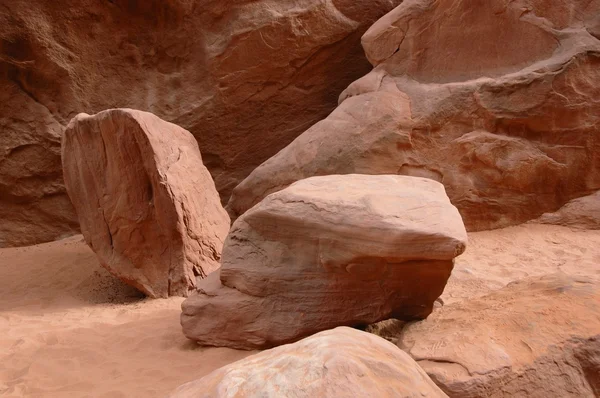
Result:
[326,252]
[511,130]
[343,362]
[146,204]
[538,337]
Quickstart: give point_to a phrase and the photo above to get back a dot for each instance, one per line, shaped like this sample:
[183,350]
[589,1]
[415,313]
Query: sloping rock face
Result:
[342,362]
[229,72]
[147,205]
[326,252]
[582,213]
[505,113]
[538,337]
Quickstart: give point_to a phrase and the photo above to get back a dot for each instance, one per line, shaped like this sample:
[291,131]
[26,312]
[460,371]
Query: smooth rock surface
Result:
[325,252]
[147,205]
[342,362]
[505,113]
[244,77]
[537,337]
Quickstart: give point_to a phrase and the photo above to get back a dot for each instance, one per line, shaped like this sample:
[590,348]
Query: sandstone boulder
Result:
[245,77]
[505,113]
[342,362]
[325,252]
[538,337]
[582,212]
[147,205]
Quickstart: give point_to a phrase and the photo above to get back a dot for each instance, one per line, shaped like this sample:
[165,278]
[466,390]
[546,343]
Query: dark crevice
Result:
[150,192]
[110,236]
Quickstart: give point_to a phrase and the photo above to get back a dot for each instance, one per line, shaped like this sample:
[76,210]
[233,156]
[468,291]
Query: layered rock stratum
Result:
[340,250]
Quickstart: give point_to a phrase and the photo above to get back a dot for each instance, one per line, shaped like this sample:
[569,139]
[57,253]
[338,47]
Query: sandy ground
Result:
[495,258]
[69,329]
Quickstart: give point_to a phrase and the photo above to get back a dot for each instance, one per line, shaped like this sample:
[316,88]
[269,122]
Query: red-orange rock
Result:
[582,213]
[147,205]
[245,77]
[498,101]
[340,363]
[325,252]
[538,337]
[33,204]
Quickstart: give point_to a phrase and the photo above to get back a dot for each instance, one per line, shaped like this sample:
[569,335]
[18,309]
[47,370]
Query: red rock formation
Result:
[582,213]
[326,252]
[342,362]
[147,205]
[538,337]
[245,77]
[498,101]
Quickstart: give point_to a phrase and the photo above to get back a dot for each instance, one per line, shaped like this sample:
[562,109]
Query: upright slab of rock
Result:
[499,101]
[536,338]
[336,363]
[147,205]
[244,77]
[325,252]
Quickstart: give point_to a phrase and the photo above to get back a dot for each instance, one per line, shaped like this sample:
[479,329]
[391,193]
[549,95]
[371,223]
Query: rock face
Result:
[342,362]
[579,213]
[229,72]
[511,130]
[538,337]
[147,205]
[326,252]
[34,206]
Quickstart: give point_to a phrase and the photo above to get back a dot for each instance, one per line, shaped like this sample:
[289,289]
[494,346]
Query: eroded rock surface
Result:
[325,252]
[505,114]
[147,205]
[537,337]
[582,213]
[245,77]
[342,362]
